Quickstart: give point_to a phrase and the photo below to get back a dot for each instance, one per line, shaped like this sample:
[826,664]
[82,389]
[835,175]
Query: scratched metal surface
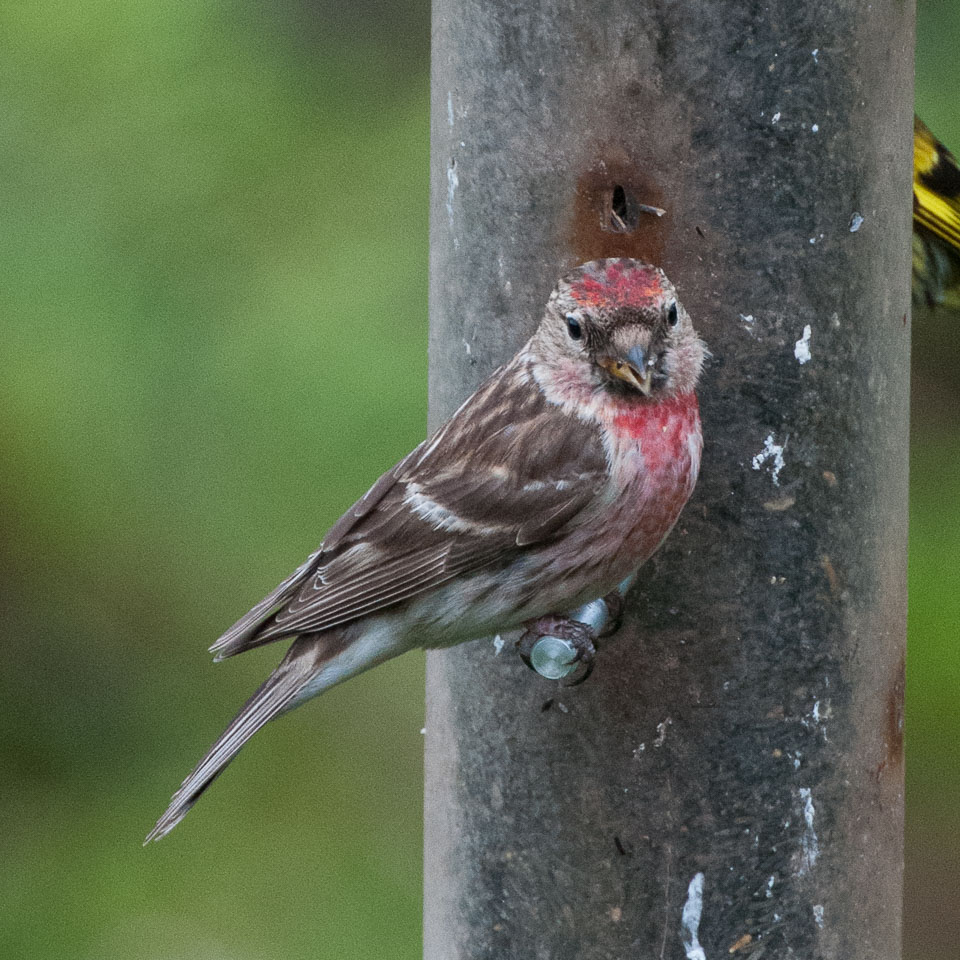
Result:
[729,780]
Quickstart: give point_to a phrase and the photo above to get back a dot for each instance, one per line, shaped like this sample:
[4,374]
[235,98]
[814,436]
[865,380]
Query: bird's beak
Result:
[633,369]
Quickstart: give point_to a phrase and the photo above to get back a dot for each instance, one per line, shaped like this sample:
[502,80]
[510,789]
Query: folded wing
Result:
[507,472]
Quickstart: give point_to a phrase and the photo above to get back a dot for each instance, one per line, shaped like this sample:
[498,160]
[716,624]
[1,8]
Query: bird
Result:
[936,221]
[555,480]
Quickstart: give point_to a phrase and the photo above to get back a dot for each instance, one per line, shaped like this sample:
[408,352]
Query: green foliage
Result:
[214,328]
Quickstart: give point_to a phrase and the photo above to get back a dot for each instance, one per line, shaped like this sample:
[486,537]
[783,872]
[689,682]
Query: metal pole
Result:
[729,780]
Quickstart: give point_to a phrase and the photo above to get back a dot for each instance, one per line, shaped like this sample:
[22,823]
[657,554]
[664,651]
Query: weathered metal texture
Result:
[729,780]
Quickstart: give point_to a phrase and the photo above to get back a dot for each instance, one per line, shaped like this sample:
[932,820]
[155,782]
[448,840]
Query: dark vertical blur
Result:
[932,911]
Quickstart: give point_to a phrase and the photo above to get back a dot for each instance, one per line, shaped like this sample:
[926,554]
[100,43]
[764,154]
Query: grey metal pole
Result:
[729,780]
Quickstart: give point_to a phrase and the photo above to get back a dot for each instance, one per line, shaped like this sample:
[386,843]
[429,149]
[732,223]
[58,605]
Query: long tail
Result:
[313,663]
[275,694]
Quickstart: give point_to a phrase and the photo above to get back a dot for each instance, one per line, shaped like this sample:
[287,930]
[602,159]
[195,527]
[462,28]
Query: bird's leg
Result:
[615,606]
[557,644]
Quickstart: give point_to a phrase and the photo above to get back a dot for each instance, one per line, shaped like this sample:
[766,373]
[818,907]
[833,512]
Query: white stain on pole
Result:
[690,919]
[453,181]
[771,453]
[809,844]
[801,349]
[748,320]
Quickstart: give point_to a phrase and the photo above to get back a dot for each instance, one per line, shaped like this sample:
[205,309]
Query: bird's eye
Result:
[573,327]
[672,316]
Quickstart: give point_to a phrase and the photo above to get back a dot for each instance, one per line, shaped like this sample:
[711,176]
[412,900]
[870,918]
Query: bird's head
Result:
[616,325]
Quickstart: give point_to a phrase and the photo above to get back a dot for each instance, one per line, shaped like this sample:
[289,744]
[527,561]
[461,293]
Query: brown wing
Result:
[506,471]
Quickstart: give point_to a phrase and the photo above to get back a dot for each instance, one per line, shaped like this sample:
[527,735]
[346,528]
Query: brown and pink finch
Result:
[550,485]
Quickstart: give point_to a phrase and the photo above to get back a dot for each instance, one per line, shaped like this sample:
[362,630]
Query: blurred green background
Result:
[213,316]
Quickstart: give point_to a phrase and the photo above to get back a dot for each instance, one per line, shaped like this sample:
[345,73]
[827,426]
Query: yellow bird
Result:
[936,221]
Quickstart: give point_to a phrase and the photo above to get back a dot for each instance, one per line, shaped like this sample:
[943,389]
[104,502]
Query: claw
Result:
[554,646]
[577,680]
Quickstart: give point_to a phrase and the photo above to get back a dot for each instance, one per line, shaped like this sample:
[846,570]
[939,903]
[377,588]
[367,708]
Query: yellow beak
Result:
[640,379]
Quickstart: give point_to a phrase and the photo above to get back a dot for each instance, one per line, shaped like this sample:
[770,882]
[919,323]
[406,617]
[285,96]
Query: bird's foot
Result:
[615,605]
[556,647]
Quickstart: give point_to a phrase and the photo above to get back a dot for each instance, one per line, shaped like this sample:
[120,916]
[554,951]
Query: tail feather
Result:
[274,695]
[313,663]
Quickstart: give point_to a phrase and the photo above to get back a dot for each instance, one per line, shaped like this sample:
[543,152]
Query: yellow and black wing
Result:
[936,220]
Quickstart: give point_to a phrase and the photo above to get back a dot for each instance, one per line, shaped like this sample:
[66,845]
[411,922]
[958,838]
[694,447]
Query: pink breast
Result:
[662,430]
[658,448]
